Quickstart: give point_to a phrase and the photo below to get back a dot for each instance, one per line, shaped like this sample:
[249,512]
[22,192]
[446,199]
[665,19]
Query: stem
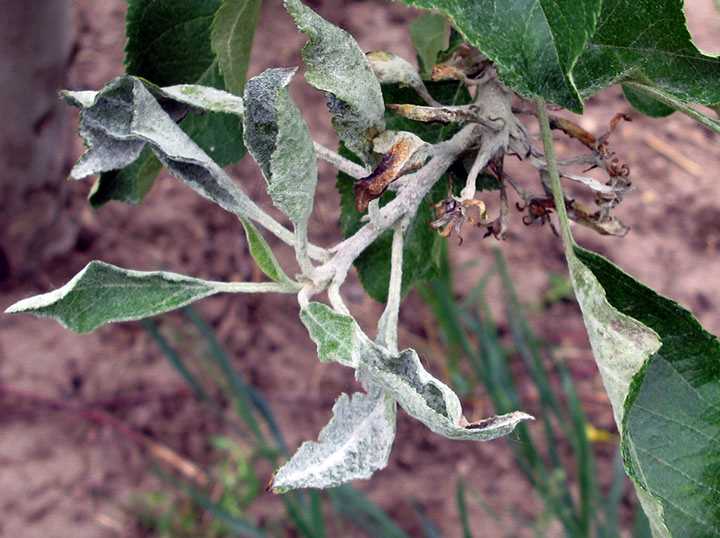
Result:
[481,160]
[301,250]
[678,105]
[336,299]
[552,170]
[255,287]
[405,203]
[346,166]
[387,326]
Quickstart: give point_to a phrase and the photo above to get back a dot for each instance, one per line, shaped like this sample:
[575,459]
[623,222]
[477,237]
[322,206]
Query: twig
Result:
[406,202]
[341,163]
[387,326]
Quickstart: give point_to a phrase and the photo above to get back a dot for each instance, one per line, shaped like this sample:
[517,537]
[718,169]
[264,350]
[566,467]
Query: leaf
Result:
[335,64]
[169,43]
[661,371]
[667,397]
[533,43]
[430,34]
[278,138]
[263,254]
[336,335]
[119,121]
[355,443]
[646,105]
[102,293]
[426,398]
[648,42]
[421,242]
[233,29]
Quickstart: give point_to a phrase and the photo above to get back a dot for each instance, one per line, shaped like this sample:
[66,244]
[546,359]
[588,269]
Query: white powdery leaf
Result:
[392,69]
[103,293]
[427,399]
[355,443]
[621,345]
[335,64]
[279,140]
[337,336]
[205,98]
[117,122]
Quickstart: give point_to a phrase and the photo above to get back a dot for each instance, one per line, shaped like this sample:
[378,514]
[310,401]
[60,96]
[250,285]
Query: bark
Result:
[36,39]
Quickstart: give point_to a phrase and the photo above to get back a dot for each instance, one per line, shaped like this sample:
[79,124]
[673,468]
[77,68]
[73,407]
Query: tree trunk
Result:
[36,39]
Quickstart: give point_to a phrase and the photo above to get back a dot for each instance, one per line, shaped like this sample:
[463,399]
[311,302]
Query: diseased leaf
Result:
[430,34]
[337,336]
[534,43]
[336,65]
[663,376]
[648,42]
[421,241]
[428,399]
[263,254]
[169,43]
[124,117]
[355,443]
[661,371]
[279,140]
[103,293]
[233,29]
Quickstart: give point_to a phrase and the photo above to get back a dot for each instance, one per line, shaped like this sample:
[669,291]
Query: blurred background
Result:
[172,427]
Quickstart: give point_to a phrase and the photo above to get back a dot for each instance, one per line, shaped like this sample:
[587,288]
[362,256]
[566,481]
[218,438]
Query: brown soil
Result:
[67,474]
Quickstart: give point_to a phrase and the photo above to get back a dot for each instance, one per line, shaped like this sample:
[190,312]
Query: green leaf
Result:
[335,64]
[670,419]
[102,293]
[647,105]
[263,254]
[169,43]
[673,102]
[336,335]
[534,43]
[279,140]
[233,29]
[648,42]
[428,399]
[355,443]
[118,122]
[661,371]
[430,34]
[421,241]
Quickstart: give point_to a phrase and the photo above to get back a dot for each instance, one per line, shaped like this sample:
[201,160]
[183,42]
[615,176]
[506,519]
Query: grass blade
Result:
[242,392]
[174,358]
[461,502]
[355,507]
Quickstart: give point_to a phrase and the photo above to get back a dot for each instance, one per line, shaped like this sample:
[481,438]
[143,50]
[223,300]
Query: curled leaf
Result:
[443,114]
[278,138]
[127,116]
[336,65]
[402,157]
[428,399]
